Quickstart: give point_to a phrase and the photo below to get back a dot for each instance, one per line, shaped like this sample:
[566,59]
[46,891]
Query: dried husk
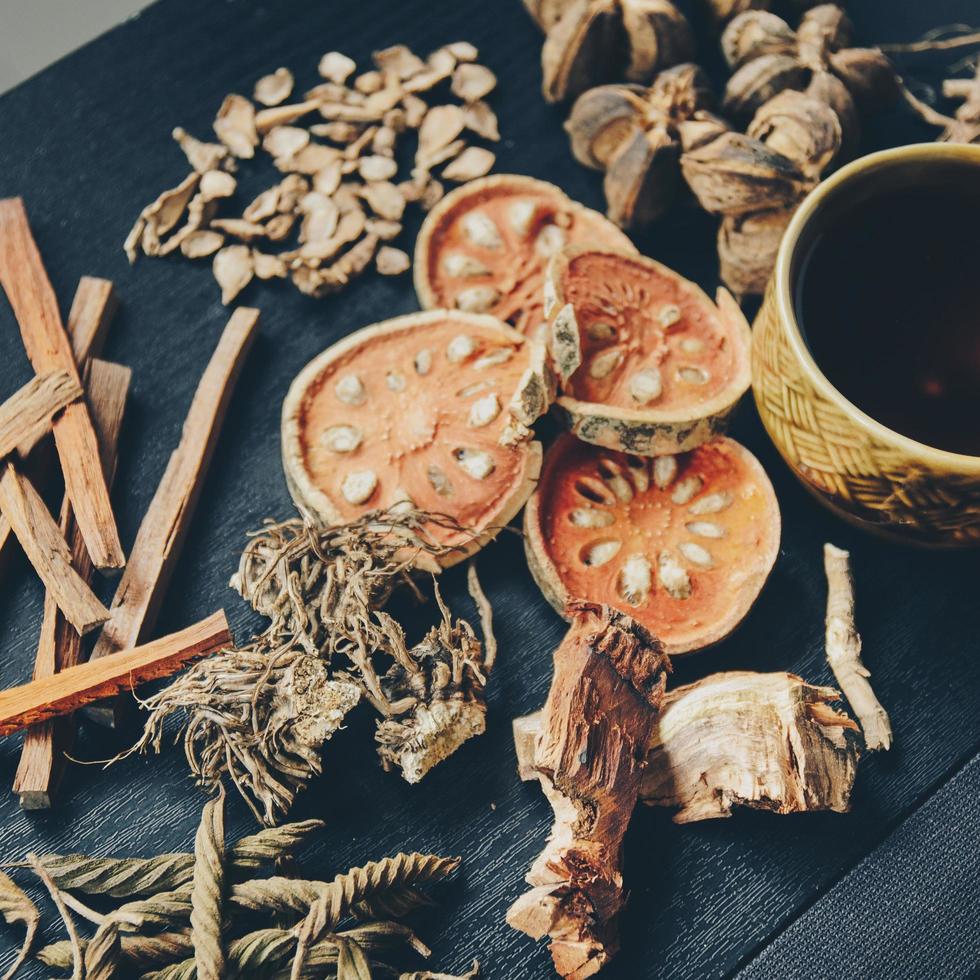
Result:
[758,80]
[754,33]
[801,128]
[747,247]
[641,178]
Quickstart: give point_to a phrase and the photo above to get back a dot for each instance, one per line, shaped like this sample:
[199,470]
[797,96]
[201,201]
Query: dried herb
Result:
[262,713]
[78,965]
[339,199]
[471,974]
[16,906]
[138,952]
[103,953]
[207,891]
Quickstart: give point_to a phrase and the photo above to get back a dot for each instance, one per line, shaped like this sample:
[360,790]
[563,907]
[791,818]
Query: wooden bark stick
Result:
[42,759]
[27,413]
[844,651]
[88,322]
[600,714]
[86,683]
[34,304]
[41,539]
[161,535]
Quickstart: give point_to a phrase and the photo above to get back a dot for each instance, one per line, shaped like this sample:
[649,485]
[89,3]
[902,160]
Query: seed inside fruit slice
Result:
[485,247]
[660,368]
[682,543]
[428,410]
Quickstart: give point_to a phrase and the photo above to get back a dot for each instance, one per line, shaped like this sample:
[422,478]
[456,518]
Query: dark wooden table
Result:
[886,891]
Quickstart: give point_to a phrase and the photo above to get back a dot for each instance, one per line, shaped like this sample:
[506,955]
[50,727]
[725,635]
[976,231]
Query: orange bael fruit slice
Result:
[484,248]
[648,363]
[427,411]
[682,543]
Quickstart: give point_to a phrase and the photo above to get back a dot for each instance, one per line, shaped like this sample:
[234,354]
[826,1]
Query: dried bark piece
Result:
[235,126]
[392,261]
[407,387]
[684,548]
[844,651]
[600,714]
[509,227]
[35,306]
[86,683]
[663,367]
[26,415]
[164,527]
[233,270]
[600,41]
[275,88]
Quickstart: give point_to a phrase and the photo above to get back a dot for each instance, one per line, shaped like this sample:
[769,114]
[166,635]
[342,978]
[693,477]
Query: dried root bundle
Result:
[207,926]
[338,206]
[262,713]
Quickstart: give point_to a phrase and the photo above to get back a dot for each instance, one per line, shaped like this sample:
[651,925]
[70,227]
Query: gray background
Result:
[33,33]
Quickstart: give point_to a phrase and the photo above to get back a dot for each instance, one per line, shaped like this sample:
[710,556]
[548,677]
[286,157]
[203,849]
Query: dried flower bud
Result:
[736,174]
[757,81]
[869,76]
[598,41]
[753,34]
[747,247]
[801,128]
[642,177]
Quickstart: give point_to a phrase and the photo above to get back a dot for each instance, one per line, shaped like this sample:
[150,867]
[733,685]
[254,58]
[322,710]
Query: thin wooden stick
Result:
[41,539]
[945,44]
[71,689]
[844,650]
[34,304]
[88,322]
[27,413]
[42,759]
[164,527]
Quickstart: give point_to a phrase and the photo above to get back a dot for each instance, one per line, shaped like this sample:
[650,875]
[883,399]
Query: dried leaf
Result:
[233,270]
[235,126]
[473,162]
[473,82]
[16,906]
[275,88]
[392,261]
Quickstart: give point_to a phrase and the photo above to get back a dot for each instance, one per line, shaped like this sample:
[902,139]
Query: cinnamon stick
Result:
[600,714]
[71,689]
[88,322]
[163,529]
[27,413]
[41,539]
[28,288]
[42,759]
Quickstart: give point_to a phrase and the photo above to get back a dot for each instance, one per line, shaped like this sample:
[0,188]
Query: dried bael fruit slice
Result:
[427,410]
[682,543]
[485,247]
[648,363]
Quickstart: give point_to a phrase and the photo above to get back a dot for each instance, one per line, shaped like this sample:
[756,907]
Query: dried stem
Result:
[207,890]
[941,44]
[844,650]
[78,966]
[16,906]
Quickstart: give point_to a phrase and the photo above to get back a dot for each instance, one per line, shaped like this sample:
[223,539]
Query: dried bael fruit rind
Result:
[682,543]
[485,247]
[429,410]
[661,367]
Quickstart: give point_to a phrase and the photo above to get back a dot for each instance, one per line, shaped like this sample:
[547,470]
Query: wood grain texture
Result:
[47,550]
[71,689]
[35,306]
[88,139]
[161,535]
[27,413]
[42,759]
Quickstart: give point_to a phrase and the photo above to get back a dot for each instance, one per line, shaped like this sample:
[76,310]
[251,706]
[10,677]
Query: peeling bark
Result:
[600,715]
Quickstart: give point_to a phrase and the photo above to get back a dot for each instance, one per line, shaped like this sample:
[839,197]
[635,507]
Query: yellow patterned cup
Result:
[869,474]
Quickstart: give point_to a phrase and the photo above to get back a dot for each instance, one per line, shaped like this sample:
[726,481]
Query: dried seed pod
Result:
[801,128]
[641,178]
[829,89]
[868,75]
[599,41]
[747,247]
[414,421]
[499,232]
[758,80]
[637,322]
[736,174]
[601,120]
[691,590]
[753,34]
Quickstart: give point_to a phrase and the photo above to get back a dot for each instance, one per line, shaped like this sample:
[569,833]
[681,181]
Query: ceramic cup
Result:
[871,475]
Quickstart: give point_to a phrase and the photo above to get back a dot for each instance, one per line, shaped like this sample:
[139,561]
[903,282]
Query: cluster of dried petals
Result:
[593,42]
[340,201]
[768,57]
[636,136]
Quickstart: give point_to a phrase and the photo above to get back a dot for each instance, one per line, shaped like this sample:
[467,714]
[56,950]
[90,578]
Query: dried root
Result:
[261,714]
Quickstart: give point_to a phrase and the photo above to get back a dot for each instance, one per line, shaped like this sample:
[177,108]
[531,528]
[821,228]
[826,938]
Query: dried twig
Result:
[844,651]
[77,955]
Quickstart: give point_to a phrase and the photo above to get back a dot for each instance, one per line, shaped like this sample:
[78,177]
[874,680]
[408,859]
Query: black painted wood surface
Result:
[87,144]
